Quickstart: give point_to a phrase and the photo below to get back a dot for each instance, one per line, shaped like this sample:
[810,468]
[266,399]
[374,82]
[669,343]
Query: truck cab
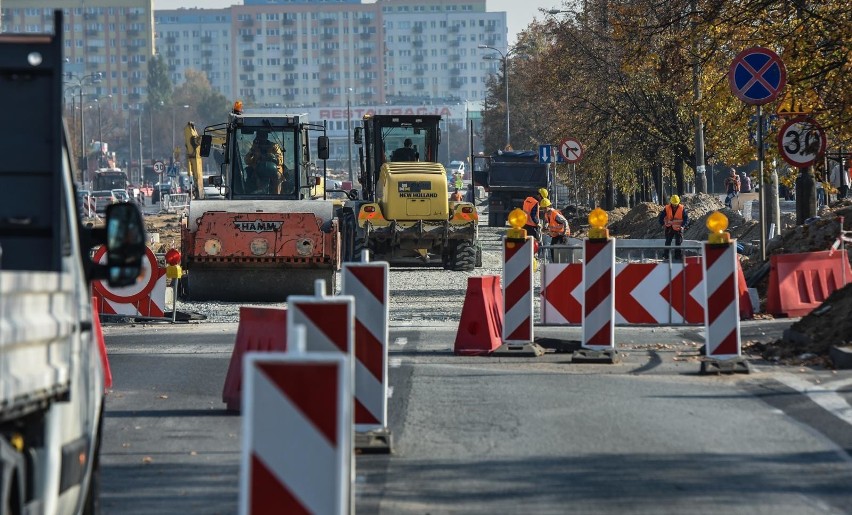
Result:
[51,370]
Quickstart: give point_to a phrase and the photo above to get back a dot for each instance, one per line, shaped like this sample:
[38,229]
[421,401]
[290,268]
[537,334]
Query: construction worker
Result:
[531,208]
[457,196]
[405,152]
[675,219]
[265,164]
[556,225]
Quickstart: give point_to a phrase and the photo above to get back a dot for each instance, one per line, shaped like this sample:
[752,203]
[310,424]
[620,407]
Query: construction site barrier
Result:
[722,326]
[147,297]
[297,434]
[481,324]
[259,330]
[175,202]
[518,290]
[99,338]
[647,290]
[599,294]
[367,283]
[798,283]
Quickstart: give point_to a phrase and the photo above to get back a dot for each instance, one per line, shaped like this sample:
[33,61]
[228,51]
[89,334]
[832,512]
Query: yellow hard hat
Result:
[675,200]
[542,192]
[544,203]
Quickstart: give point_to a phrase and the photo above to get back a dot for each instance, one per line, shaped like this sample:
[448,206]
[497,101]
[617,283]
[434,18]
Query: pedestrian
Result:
[556,225]
[732,187]
[674,218]
[457,196]
[840,180]
[532,208]
[745,182]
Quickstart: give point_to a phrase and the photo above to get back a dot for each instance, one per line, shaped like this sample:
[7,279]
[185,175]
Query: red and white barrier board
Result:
[722,325]
[517,290]
[599,296]
[145,298]
[297,434]
[368,283]
[645,293]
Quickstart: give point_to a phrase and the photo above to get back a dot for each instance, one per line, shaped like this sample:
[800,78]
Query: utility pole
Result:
[700,175]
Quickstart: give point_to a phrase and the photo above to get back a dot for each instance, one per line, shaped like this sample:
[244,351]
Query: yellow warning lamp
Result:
[174,271]
[717,223]
[598,219]
[517,219]
[238,107]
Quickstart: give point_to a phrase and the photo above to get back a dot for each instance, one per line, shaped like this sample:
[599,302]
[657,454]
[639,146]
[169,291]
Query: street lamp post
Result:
[504,58]
[349,133]
[78,82]
[174,142]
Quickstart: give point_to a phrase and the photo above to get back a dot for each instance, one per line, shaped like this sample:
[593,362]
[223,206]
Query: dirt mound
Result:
[810,339]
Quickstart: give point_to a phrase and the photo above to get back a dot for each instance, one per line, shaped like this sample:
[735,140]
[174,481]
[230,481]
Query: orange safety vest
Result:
[530,203]
[553,226]
[674,220]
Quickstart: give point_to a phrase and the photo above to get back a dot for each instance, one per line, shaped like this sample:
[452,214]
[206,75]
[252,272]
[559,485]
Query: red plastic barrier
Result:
[99,336]
[799,283]
[746,309]
[260,330]
[481,325]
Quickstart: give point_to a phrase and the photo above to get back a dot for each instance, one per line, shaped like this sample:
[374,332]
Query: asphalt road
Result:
[503,435]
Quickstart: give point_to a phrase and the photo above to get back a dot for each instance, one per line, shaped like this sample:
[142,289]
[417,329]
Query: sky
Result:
[519,13]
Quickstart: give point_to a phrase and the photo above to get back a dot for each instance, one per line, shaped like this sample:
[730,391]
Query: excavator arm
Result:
[193,157]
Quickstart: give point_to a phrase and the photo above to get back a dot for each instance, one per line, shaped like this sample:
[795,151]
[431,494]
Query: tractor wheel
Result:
[464,258]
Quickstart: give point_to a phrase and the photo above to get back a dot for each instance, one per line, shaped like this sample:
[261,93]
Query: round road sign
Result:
[136,292]
[571,150]
[801,141]
[757,76]
[159,167]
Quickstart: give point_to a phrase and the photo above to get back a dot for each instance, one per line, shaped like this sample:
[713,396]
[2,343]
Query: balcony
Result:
[206,53]
[92,32]
[289,52]
[328,51]
[418,43]
[454,28]
[289,36]
[248,67]
[248,53]
[328,35]
[171,53]
[456,83]
[289,67]
[289,82]
[366,66]
[207,67]
[418,58]
[327,81]
[419,85]
[248,22]
[326,66]
[327,97]
[328,21]
[248,38]
[455,72]
[417,29]
[133,16]
[132,32]
[135,80]
[93,49]
[133,64]
[249,83]
[365,36]
[90,16]
[171,68]
[454,42]
[365,20]
[134,97]
[490,28]
[206,40]
[366,50]
[171,40]
[288,21]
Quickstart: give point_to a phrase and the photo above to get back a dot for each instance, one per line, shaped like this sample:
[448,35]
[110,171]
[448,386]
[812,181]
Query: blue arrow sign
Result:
[544,153]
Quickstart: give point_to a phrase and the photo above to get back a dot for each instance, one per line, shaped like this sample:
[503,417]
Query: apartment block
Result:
[113,38]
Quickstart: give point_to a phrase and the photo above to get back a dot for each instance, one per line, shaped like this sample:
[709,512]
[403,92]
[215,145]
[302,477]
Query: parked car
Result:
[121,195]
[160,189]
[102,199]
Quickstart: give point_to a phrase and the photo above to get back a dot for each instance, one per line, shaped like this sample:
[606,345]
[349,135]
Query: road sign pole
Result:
[762,192]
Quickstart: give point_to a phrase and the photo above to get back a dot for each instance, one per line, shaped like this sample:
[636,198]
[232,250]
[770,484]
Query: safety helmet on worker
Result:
[542,192]
[675,200]
[544,203]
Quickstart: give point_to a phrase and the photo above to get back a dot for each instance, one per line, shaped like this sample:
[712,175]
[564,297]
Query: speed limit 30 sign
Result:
[801,141]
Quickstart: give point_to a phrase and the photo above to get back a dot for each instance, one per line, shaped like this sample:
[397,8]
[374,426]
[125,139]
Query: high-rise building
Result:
[112,38]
